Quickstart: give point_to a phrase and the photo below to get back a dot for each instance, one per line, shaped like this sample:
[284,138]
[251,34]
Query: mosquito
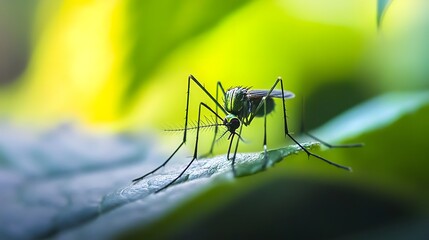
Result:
[241,105]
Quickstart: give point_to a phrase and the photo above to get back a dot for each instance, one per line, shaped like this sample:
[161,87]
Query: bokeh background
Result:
[125,64]
[110,62]
[122,66]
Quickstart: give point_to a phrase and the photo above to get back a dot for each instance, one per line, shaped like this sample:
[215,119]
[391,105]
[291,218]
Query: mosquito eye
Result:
[234,123]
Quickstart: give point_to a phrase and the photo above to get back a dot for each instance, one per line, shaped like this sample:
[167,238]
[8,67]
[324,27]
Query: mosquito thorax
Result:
[231,122]
[236,101]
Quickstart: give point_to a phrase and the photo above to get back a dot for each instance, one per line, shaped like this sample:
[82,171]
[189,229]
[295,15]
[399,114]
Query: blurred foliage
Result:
[103,62]
[176,24]
[381,9]
[15,29]
[119,62]
[403,53]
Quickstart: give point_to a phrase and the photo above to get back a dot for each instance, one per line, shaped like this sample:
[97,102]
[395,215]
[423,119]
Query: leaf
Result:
[386,192]
[282,207]
[179,21]
[53,180]
[59,179]
[71,183]
[217,168]
[374,114]
[381,10]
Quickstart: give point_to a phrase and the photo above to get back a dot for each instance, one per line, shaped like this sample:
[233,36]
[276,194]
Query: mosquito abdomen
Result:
[260,113]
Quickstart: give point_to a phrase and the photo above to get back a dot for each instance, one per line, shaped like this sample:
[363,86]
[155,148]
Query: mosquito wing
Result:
[256,93]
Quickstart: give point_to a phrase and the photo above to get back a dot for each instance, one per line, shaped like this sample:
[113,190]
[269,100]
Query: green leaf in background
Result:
[176,23]
[400,63]
[115,63]
[381,9]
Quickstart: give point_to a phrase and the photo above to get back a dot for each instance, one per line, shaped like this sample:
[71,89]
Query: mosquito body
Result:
[240,106]
[245,104]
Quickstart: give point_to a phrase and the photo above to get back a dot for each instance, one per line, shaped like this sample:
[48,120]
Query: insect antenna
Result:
[205,124]
[221,136]
[242,139]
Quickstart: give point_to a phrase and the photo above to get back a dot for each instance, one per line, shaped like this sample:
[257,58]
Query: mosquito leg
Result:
[235,151]
[294,140]
[350,145]
[136,180]
[218,86]
[263,104]
[233,158]
[208,94]
[303,130]
[195,149]
[317,156]
[265,135]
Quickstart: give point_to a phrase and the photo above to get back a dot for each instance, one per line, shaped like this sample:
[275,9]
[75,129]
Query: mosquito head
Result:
[231,122]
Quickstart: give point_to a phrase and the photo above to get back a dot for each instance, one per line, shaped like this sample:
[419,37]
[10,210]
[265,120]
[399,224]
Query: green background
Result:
[120,68]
